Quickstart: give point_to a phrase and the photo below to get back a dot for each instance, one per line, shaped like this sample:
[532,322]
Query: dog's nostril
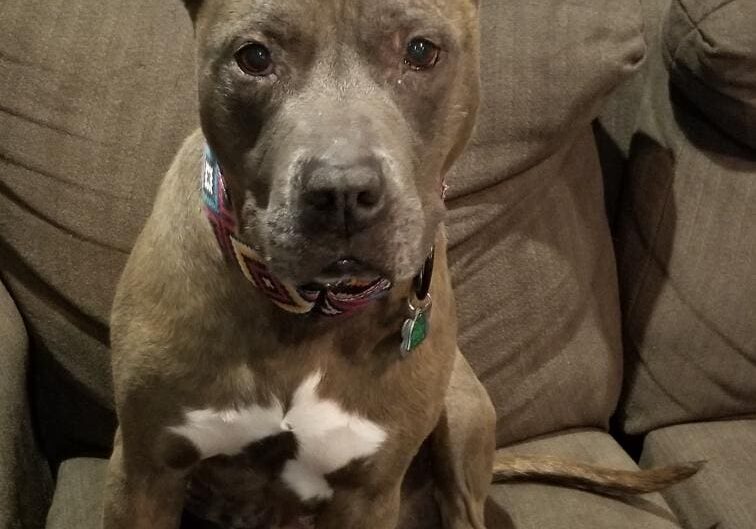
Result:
[367,198]
[322,200]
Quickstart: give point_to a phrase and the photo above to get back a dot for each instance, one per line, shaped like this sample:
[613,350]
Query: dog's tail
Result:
[601,480]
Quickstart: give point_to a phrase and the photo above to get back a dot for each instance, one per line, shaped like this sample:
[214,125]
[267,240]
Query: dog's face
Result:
[334,122]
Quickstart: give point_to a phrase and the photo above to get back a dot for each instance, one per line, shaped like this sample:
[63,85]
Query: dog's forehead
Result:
[341,7]
[309,16]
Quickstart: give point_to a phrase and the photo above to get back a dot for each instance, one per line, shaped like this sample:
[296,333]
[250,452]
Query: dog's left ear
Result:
[192,6]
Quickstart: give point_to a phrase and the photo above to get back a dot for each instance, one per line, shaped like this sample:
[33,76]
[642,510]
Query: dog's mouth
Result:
[346,272]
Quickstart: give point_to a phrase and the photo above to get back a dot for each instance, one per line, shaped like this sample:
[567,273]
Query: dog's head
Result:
[334,122]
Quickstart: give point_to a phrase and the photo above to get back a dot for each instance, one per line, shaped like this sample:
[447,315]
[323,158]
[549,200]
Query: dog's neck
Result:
[332,300]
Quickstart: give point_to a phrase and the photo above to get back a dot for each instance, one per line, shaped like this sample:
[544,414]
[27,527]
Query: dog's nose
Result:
[345,197]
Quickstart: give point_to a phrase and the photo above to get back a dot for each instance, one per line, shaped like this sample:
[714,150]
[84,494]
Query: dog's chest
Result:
[301,444]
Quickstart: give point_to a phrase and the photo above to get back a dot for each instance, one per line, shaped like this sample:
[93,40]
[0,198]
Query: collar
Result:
[333,300]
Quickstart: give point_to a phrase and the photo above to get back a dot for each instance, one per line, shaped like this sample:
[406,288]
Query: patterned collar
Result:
[333,300]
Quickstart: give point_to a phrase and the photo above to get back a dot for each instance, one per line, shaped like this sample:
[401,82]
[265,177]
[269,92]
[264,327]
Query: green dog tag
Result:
[415,329]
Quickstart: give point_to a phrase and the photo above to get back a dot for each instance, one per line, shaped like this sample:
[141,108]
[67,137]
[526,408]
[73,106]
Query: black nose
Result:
[343,197]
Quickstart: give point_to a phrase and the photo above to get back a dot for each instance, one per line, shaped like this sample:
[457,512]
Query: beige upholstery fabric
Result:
[512,506]
[710,48]
[78,496]
[535,506]
[685,244]
[95,99]
[536,290]
[25,482]
[722,495]
[531,253]
[547,68]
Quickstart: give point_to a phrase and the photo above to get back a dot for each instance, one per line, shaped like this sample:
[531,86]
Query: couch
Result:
[602,226]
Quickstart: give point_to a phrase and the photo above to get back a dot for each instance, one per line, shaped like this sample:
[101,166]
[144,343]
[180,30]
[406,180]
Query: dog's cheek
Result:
[441,104]
[411,238]
[424,103]
[235,108]
[252,222]
[233,119]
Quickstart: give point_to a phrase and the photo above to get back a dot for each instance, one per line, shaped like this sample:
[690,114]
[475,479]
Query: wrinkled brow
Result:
[424,17]
[294,21]
[282,22]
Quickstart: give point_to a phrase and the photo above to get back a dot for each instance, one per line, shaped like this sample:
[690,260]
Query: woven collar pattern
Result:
[338,300]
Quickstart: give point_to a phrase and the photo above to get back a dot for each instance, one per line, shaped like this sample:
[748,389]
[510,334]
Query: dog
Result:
[284,335]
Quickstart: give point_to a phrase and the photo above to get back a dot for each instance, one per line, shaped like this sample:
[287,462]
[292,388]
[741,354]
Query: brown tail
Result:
[547,469]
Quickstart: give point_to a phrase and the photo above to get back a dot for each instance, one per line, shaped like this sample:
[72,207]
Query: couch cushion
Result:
[78,496]
[686,248]
[530,251]
[77,503]
[14,339]
[685,242]
[536,506]
[537,297]
[546,67]
[710,49]
[78,499]
[96,98]
[25,481]
[721,495]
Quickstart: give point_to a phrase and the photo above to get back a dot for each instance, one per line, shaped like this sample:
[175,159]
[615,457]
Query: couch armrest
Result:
[25,481]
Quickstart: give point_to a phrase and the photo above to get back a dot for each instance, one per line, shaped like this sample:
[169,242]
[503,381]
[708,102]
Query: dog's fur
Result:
[190,333]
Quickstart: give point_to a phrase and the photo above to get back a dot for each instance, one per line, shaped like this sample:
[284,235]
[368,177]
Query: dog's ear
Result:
[192,6]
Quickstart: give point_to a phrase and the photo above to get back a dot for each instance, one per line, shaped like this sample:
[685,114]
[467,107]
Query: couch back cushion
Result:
[710,50]
[531,255]
[686,249]
[97,100]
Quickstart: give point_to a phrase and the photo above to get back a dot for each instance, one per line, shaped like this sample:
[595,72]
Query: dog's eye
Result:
[421,54]
[255,59]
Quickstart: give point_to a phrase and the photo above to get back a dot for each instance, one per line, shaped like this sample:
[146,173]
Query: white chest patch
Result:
[328,437]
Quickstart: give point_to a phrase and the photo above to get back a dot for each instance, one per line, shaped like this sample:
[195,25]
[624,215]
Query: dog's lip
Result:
[346,270]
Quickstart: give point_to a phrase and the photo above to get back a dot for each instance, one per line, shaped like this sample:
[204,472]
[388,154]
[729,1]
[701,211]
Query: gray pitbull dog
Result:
[277,361]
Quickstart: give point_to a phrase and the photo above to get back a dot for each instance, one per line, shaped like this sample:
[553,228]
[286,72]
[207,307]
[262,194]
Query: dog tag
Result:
[415,328]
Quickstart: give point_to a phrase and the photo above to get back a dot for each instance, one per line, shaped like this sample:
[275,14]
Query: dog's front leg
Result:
[463,449]
[140,496]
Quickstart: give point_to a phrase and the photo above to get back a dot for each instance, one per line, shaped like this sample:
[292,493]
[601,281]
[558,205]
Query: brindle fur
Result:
[601,480]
